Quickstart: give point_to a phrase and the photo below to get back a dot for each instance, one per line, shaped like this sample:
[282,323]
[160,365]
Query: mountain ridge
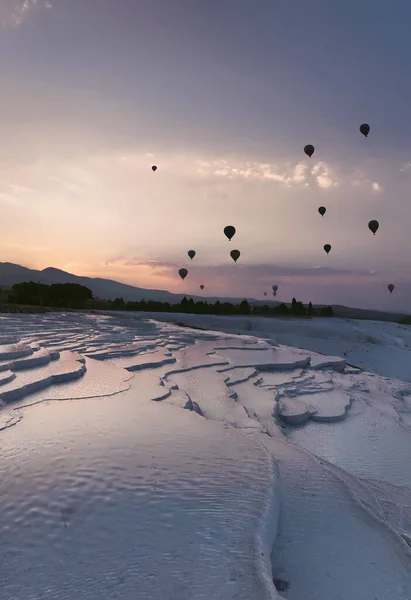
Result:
[109,289]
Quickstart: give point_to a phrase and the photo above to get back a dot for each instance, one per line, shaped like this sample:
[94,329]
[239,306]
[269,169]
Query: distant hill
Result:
[106,289]
[365,313]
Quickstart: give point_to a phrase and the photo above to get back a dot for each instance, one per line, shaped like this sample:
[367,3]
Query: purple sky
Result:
[222,96]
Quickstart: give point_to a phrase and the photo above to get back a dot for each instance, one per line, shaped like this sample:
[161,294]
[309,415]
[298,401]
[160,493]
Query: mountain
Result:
[108,289]
[101,288]
[348,312]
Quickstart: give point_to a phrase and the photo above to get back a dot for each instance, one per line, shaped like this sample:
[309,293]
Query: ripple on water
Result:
[118,496]
[123,497]
[99,380]
[372,443]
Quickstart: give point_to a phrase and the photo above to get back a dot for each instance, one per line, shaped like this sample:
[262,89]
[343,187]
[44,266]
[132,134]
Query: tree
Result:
[265,309]
[73,295]
[191,306]
[300,309]
[244,308]
[29,292]
[67,295]
[118,304]
[282,309]
[70,295]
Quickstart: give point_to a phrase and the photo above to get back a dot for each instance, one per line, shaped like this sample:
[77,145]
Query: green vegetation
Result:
[73,295]
[219,308]
[64,295]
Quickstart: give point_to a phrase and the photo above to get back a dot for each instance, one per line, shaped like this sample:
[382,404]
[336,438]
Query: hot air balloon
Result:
[327,248]
[201,287]
[183,273]
[229,231]
[391,287]
[235,255]
[265,293]
[309,150]
[275,288]
[365,129]
[154,168]
[322,210]
[373,226]
[191,254]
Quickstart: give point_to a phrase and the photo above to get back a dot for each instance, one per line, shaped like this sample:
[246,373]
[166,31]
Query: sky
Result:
[222,96]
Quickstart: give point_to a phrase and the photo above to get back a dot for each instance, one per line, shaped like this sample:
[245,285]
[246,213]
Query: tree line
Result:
[63,295]
[203,307]
[73,295]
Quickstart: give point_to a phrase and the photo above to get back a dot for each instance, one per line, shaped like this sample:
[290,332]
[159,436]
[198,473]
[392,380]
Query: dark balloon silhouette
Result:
[265,293]
[201,287]
[365,129]
[154,168]
[373,226]
[235,255]
[275,288]
[327,248]
[322,210]
[391,287]
[183,273]
[309,150]
[229,231]
[191,254]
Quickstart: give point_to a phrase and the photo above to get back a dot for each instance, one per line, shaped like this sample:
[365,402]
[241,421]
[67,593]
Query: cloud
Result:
[263,271]
[323,176]
[136,226]
[299,174]
[15,194]
[19,189]
[361,179]
[286,174]
[151,264]
[321,285]
[14,12]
